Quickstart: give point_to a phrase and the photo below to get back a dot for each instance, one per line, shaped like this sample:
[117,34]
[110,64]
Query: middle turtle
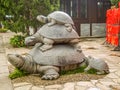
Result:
[53,35]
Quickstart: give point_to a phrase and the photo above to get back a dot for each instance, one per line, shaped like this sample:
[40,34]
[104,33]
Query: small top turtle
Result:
[97,64]
[58,17]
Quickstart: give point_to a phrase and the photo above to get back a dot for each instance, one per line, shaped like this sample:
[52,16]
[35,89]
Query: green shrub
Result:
[115,2]
[17,41]
[78,70]
[17,73]
[2,30]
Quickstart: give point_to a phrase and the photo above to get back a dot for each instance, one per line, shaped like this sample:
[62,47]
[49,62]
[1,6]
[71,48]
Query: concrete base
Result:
[98,30]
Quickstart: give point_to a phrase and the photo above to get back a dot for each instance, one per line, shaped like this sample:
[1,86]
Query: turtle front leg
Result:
[100,72]
[69,27]
[48,44]
[49,72]
[87,68]
[52,22]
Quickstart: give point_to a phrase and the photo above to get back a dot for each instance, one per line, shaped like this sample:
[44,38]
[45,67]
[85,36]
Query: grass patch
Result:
[17,41]
[20,73]
[78,70]
[3,30]
[92,71]
[17,73]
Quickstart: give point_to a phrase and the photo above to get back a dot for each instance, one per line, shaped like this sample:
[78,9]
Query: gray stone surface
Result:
[98,29]
[69,86]
[56,86]
[37,88]
[85,30]
[112,75]
[21,84]
[116,80]
[94,82]
[103,87]
[117,73]
[78,87]
[25,87]
[5,82]
[85,83]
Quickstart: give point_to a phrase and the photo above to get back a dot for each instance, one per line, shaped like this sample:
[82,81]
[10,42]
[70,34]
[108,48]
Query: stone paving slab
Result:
[38,88]
[5,82]
[69,86]
[53,87]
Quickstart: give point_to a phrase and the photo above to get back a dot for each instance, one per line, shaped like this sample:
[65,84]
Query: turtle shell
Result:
[61,17]
[57,31]
[98,64]
[59,55]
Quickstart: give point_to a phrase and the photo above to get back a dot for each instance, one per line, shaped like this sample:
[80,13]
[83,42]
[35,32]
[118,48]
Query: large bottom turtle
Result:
[50,63]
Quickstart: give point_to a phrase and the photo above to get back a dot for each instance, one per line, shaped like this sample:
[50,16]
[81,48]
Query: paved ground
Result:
[5,82]
[89,46]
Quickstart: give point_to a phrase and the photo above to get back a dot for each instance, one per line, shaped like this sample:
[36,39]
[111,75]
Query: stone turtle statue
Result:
[53,35]
[58,17]
[49,63]
[97,64]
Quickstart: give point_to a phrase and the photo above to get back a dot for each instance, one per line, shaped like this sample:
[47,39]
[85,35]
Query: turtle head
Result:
[42,19]
[16,60]
[88,59]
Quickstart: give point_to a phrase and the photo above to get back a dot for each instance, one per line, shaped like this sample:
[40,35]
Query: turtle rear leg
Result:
[48,44]
[46,47]
[87,68]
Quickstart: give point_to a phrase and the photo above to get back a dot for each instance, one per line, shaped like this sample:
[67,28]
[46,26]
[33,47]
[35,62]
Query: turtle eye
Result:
[19,56]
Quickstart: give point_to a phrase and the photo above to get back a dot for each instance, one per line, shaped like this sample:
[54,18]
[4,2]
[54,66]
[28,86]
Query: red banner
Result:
[113,26]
